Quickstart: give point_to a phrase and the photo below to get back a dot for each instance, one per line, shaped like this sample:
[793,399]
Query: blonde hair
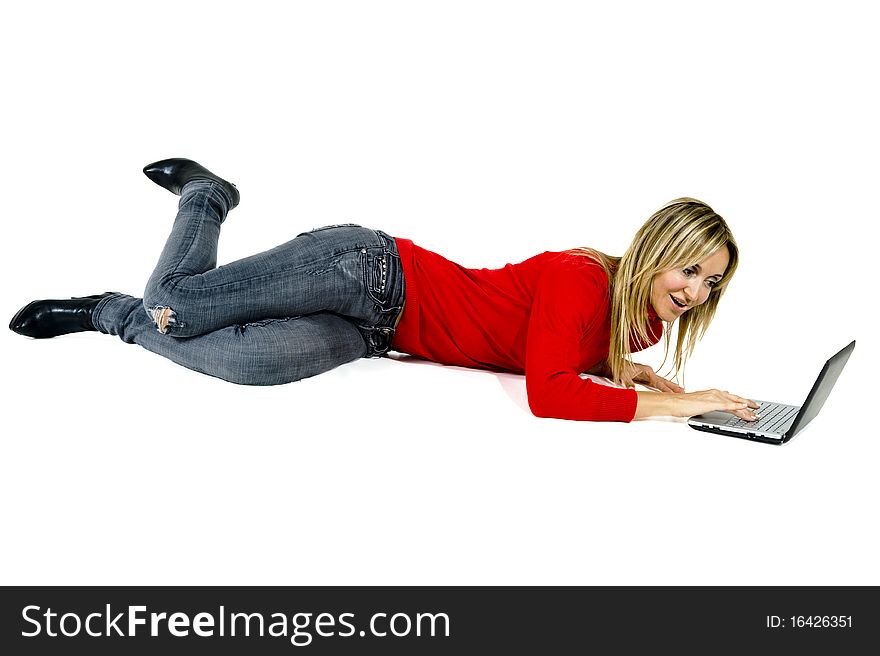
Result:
[680,234]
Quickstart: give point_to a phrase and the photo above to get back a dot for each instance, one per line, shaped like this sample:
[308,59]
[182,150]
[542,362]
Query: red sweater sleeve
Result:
[570,307]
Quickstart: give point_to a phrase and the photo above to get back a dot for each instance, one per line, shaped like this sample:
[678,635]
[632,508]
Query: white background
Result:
[487,132]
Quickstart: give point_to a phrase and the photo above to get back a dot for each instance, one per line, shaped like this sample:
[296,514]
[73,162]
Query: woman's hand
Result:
[652,404]
[644,375]
[639,373]
[696,403]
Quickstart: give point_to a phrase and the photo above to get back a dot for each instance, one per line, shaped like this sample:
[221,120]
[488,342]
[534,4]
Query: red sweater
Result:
[547,317]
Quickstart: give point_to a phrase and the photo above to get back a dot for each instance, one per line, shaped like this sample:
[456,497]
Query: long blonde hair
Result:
[680,234]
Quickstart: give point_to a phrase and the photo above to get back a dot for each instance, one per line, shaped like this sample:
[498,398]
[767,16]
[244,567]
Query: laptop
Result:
[778,422]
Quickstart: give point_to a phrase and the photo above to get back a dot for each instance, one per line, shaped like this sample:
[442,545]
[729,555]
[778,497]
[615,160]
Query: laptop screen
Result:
[821,388]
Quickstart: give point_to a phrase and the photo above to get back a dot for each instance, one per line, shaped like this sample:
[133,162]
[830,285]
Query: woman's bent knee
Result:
[163,317]
[168,320]
[170,310]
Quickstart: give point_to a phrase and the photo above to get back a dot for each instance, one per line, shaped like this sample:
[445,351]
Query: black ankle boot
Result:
[50,318]
[174,173]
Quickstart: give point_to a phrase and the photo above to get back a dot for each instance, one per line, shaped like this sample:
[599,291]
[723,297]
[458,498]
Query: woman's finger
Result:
[666,385]
[660,384]
[675,387]
[669,386]
[740,399]
[743,412]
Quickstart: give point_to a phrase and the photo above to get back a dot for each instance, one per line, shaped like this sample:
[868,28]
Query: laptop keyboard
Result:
[773,418]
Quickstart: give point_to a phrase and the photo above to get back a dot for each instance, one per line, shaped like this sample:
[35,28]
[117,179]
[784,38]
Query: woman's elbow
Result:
[541,408]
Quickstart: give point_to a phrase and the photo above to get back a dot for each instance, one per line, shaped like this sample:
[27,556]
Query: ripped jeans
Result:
[325,298]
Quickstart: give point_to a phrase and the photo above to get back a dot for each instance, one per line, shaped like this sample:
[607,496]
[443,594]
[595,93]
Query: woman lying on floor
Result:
[345,292]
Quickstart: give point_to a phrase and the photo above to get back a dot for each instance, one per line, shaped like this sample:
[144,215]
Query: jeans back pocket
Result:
[376,274]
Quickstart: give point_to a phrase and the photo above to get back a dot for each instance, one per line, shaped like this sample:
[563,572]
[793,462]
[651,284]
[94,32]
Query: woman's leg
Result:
[348,270]
[269,352]
[327,297]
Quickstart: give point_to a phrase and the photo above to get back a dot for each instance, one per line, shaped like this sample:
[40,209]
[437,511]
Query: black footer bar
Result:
[433,620]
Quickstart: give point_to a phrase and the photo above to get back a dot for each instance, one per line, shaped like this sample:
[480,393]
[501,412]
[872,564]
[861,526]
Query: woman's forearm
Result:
[656,404]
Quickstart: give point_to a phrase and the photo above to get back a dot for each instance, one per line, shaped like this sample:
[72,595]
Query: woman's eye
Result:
[688,272]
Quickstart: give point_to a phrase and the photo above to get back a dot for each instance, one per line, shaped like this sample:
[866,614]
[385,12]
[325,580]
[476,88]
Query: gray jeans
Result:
[325,298]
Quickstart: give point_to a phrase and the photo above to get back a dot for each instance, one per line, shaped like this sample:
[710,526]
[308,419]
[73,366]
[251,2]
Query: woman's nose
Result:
[693,292]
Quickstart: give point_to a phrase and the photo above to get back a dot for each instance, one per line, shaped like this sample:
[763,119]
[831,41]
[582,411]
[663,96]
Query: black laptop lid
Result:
[821,389]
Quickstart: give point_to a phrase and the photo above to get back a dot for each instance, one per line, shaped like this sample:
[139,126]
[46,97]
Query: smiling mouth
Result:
[677,302]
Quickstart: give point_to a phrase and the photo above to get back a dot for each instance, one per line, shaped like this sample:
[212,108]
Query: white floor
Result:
[488,133]
[122,467]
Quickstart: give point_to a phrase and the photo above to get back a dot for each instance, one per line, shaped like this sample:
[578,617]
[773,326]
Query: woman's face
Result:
[689,286]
